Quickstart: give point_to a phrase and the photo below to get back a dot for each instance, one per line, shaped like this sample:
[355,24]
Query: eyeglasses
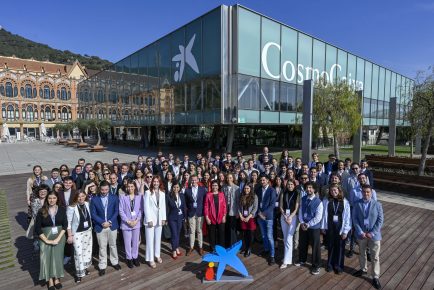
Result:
[149,176]
[304,178]
[106,173]
[355,168]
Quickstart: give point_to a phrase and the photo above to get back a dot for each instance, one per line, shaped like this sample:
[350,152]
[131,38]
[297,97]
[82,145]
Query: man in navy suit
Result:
[124,173]
[104,210]
[194,199]
[266,199]
[367,220]
[331,165]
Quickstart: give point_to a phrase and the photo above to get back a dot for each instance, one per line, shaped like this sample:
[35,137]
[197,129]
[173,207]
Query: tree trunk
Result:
[422,163]
[336,145]
[69,135]
[324,136]
[81,137]
[411,148]
[99,138]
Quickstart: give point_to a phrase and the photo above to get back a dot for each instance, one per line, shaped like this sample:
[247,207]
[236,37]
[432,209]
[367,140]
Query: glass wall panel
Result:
[270,47]
[134,59]
[366,107]
[304,58]
[164,61]
[318,59]
[387,86]
[360,78]
[368,80]
[342,68]
[287,97]
[289,55]
[375,73]
[382,77]
[393,85]
[193,40]
[211,43]
[331,54]
[269,95]
[248,92]
[299,98]
[351,71]
[249,42]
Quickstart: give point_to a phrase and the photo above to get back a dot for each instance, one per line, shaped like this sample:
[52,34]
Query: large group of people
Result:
[80,211]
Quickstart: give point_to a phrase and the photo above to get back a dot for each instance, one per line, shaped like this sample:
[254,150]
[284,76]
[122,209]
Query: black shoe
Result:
[264,253]
[58,286]
[136,262]
[77,279]
[51,288]
[117,267]
[247,253]
[101,272]
[359,273]
[350,254]
[314,271]
[271,261]
[86,272]
[368,256]
[376,283]
[328,269]
[130,263]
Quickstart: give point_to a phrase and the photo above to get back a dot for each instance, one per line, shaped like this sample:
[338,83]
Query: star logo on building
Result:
[185,56]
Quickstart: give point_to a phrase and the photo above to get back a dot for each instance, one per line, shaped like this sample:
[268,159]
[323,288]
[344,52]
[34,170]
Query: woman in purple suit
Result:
[130,211]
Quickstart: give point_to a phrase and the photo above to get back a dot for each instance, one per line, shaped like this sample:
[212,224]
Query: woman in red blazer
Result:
[215,215]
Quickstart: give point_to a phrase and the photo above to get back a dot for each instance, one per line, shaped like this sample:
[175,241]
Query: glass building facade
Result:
[233,66]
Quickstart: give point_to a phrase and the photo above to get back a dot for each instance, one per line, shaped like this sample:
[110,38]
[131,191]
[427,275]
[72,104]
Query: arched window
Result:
[100,114]
[52,94]
[46,92]
[63,95]
[126,114]
[113,97]
[30,114]
[28,91]
[48,115]
[10,113]
[9,90]
[35,93]
[64,114]
[100,96]
[2,90]
[69,95]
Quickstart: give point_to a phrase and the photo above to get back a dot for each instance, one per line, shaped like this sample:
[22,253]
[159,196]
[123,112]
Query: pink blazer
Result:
[209,210]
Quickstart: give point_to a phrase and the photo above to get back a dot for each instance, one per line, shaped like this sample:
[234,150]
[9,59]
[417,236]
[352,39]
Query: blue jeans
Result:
[266,227]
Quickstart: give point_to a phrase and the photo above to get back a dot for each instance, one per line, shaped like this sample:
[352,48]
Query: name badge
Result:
[335,219]
[133,213]
[287,212]
[276,204]
[195,204]
[260,204]
[54,230]
[305,215]
[245,213]
[179,212]
[86,224]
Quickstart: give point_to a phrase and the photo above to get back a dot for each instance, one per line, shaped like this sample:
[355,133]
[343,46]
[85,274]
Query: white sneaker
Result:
[283,266]
[66,260]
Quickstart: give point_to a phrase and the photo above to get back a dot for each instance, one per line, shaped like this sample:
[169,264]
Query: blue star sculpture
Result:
[228,257]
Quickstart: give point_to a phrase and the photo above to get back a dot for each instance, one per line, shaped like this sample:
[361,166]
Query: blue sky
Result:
[396,34]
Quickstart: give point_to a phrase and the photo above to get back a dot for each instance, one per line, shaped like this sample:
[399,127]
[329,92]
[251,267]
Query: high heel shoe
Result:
[247,253]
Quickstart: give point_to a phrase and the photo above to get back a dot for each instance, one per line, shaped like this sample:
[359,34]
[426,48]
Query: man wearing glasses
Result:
[351,181]
[114,185]
[166,167]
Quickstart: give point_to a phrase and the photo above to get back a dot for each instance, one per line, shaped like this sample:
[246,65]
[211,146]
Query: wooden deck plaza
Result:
[407,259]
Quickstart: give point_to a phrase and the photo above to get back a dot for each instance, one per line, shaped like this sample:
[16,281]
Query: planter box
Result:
[408,184]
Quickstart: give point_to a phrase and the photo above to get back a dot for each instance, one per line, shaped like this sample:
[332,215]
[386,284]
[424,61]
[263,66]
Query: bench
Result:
[97,149]
[408,184]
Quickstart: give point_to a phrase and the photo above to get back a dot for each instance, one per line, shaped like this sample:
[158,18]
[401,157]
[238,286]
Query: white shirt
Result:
[67,196]
[194,191]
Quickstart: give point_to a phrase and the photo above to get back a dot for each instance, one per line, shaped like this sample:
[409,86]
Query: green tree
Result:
[421,112]
[82,125]
[61,128]
[69,127]
[101,127]
[336,107]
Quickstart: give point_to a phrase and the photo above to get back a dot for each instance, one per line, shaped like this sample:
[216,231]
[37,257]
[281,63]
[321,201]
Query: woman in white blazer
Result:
[80,233]
[154,219]
[336,223]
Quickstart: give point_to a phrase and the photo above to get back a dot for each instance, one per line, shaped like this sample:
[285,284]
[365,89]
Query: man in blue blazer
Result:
[124,173]
[194,199]
[367,220]
[267,200]
[104,211]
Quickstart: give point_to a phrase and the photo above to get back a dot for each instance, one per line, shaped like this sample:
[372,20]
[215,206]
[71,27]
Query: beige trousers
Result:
[195,224]
[374,247]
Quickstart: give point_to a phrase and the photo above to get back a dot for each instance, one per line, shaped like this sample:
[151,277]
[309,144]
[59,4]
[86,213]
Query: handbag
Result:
[31,229]
[166,232]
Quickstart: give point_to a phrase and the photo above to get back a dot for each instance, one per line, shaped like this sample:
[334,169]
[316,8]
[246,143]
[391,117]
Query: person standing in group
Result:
[80,233]
[267,200]
[38,202]
[368,219]
[104,212]
[194,199]
[248,206]
[154,219]
[130,212]
[289,203]
[215,211]
[310,216]
[176,211]
[232,197]
[336,224]
[32,183]
[50,226]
